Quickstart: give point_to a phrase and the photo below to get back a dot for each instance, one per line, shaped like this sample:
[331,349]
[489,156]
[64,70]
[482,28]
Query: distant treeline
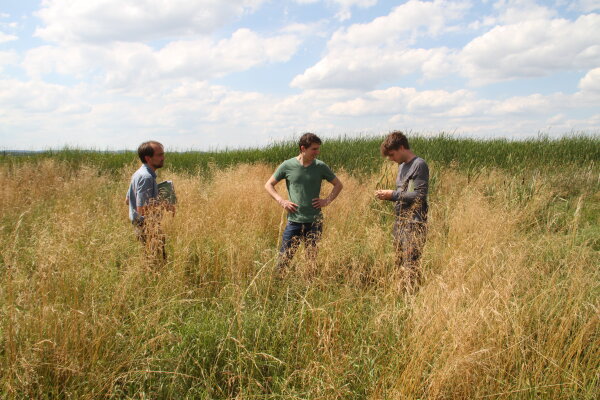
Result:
[355,155]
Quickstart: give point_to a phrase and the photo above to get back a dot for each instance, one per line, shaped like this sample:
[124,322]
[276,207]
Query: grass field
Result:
[509,307]
[357,155]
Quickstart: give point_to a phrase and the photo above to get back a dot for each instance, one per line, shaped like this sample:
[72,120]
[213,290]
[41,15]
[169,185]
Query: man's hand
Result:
[384,194]
[320,203]
[337,188]
[288,205]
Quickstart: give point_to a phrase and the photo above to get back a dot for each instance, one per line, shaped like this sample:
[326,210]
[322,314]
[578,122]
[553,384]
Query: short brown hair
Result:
[147,149]
[308,139]
[394,141]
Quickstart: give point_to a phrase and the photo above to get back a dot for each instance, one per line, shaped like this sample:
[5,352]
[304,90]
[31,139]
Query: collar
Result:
[150,170]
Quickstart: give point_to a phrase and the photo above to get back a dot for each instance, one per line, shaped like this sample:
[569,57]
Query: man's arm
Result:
[421,188]
[146,204]
[286,204]
[337,188]
[407,198]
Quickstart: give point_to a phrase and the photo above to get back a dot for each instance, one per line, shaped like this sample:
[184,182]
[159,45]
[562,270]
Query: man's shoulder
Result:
[420,167]
[321,164]
[142,174]
[419,162]
[289,163]
[416,163]
[283,169]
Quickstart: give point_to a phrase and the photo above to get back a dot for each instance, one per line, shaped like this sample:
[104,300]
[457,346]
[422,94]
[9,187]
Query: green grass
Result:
[357,155]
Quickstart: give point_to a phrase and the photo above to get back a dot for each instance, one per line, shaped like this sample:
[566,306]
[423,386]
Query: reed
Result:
[357,155]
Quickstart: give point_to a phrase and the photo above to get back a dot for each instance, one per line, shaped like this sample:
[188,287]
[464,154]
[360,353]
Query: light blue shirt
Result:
[142,189]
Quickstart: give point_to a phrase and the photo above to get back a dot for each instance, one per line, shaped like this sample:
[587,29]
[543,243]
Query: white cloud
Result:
[317,28]
[7,58]
[243,50]
[362,68]
[185,114]
[365,55]
[345,12]
[591,81]
[532,49]
[509,12]
[191,113]
[401,26]
[532,104]
[188,113]
[40,97]
[77,61]
[585,5]
[5,37]
[461,104]
[122,87]
[343,3]
[396,100]
[100,21]
[344,6]
[514,11]
[528,43]
[378,102]
[124,64]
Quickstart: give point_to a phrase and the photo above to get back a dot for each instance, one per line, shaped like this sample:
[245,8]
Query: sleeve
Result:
[421,186]
[144,191]
[327,173]
[396,193]
[280,172]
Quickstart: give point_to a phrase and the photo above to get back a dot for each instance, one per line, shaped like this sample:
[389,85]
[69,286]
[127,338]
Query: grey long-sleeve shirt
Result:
[412,186]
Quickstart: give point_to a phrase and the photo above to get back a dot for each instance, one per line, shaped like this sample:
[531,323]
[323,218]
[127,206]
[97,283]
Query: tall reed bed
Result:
[356,155]
[509,306]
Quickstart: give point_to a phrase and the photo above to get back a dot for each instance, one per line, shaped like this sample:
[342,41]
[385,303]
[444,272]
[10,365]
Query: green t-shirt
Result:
[303,185]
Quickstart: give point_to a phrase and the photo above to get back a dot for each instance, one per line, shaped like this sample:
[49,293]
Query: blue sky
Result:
[210,74]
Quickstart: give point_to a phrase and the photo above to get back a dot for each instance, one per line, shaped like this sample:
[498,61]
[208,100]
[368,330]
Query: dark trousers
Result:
[409,240]
[296,233]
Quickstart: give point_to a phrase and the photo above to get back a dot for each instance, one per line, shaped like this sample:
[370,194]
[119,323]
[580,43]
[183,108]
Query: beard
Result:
[158,165]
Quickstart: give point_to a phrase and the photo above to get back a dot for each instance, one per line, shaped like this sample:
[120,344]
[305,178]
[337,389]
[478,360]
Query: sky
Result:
[218,74]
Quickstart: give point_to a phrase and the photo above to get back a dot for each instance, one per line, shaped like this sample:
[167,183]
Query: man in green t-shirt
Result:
[303,175]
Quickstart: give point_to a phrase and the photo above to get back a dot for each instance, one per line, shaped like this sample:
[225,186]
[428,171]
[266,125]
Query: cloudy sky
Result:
[215,74]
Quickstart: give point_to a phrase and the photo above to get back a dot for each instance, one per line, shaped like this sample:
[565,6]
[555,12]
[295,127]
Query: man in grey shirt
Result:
[145,208]
[412,185]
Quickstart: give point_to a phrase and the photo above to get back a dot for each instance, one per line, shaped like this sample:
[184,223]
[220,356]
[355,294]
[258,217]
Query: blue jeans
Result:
[296,232]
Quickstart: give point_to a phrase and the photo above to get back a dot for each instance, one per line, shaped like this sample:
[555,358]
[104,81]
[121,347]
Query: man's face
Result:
[311,152]
[158,159]
[396,156]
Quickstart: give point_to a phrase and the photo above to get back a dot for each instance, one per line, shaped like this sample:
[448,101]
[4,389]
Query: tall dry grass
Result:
[508,307]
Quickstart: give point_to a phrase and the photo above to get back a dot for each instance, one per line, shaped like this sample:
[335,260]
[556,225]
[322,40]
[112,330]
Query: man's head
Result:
[310,145]
[395,147]
[152,153]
